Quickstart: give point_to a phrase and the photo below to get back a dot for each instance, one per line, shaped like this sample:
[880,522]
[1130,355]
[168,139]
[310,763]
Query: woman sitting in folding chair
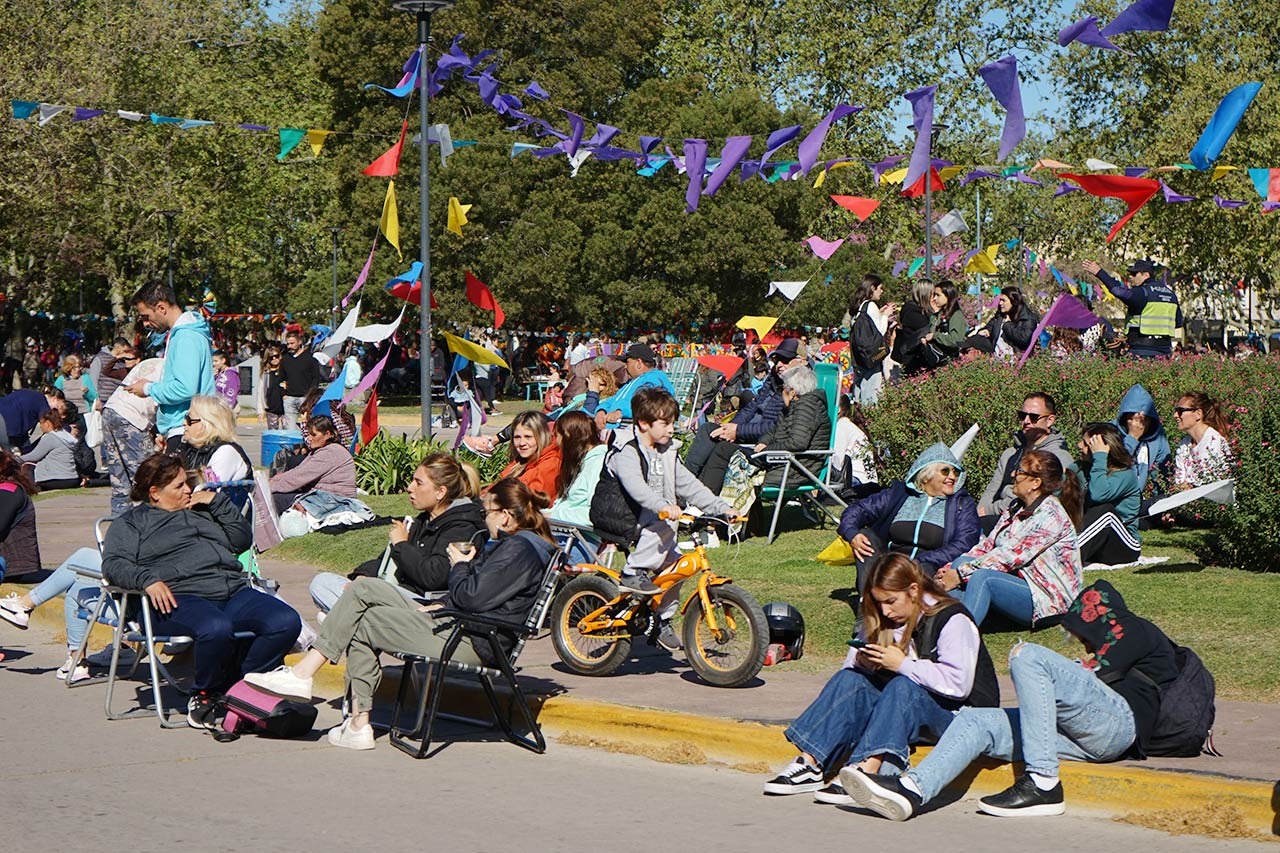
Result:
[181,550]
[209,447]
[372,615]
[805,425]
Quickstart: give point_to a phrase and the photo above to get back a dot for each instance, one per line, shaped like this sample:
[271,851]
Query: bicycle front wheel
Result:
[733,653]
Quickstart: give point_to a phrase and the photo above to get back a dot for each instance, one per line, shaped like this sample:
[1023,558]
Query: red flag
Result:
[917,189]
[858,206]
[478,295]
[412,293]
[369,420]
[726,364]
[388,165]
[1135,192]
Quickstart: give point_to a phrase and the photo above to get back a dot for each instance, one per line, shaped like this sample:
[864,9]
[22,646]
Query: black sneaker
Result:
[202,708]
[1024,799]
[798,777]
[638,584]
[668,638]
[884,795]
[834,794]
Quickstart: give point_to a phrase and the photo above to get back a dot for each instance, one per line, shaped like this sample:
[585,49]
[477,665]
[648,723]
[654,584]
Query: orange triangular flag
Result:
[388,165]
[858,206]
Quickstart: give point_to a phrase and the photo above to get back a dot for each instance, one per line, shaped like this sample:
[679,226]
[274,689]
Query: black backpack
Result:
[613,511]
[1184,726]
[866,341]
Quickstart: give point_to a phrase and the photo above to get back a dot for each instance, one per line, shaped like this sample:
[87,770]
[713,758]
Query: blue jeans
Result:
[275,626]
[80,593]
[854,716]
[1065,712]
[989,588]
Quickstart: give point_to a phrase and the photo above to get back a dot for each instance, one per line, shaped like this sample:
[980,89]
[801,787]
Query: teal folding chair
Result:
[798,481]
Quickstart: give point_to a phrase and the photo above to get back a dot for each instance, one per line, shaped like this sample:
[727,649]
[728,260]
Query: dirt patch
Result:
[755,768]
[678,752]
[1213,821]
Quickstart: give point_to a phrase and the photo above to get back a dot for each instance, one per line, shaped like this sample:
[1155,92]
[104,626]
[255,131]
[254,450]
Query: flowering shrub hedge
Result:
[940,407]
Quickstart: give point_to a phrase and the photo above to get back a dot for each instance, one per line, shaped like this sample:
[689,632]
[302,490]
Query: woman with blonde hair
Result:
[917,659]
[209,442]
[75,386]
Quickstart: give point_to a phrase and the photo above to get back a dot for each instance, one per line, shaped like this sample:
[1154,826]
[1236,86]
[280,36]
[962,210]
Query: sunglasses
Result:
[1024,472]
[191,420]
[947,471]
[1182,410]
[1034,417]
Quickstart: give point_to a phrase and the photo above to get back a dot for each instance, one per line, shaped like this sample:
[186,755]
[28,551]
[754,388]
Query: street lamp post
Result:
[168,230]
[1022,250]
[934,133]
[424,9]
[335,230]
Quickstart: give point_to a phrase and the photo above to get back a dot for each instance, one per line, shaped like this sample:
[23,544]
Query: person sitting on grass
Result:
[1144,436]
[1203,454]
[535,454]
[1102,710]
[327,467]
[1112,498]
[1029,567]
[52,461]
[182,551]
[923,660]
[372,616]
[929,516]
[651,475]
[444,492]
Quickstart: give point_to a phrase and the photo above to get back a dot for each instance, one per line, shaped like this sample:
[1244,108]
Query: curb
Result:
[758,748]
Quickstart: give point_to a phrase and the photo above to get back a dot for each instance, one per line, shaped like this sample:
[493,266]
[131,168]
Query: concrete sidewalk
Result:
[655,700]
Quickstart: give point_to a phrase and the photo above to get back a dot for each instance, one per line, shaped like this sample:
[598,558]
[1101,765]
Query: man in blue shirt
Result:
[642,367]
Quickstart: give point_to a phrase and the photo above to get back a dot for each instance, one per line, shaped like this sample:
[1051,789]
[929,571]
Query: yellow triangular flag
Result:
[473,352]
[897,176]
[949,172]
[759,325]
[316,138]
[457,215]
[984,261]
[821,179]
[1220,172]
[390,223]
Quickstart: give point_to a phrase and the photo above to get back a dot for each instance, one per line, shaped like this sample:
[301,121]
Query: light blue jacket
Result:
[188,371]
[621,401]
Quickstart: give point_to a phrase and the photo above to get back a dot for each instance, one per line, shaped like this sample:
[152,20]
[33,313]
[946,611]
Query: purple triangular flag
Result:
[84,114]
[1064,188]
[878,169]
[1269,206]
[256,127]
[364,274]
[576,129]
[695,160]
[735,148]
[921,101]
[823,248]
[603,135]
[1228,203]
[811,145]
[898,268]
[976,174]
[1136,171]
[533,90]
[1149,15]
[1066,311]
[776,141]
[1023,178]
[1085,31]
[1172,197]
[1001,78]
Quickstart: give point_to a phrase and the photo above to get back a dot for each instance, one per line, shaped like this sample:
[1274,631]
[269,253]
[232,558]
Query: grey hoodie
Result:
[999,492]
[667,482]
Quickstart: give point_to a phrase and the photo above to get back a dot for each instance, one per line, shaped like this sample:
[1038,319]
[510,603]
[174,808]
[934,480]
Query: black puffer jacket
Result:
[422,564]
[192,550]
[1017,332]
[805,425]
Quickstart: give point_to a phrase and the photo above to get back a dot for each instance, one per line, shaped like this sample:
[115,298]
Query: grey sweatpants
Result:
[370,616]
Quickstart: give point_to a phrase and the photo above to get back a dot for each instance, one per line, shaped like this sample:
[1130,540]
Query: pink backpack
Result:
[250,709]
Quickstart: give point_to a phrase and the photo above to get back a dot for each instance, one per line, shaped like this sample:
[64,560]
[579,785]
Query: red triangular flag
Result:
[388,165]
[1134,192]
[369,420]
[917,189]
[478,295]
[858,206]
[412,293]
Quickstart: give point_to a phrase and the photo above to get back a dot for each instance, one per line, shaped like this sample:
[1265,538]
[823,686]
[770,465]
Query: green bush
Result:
[919,411]
[386,464]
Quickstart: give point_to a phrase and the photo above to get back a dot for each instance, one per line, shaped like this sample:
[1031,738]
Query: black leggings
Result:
[1105,539]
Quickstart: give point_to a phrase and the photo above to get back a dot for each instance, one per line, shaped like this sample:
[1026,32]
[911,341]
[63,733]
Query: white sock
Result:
[910,785]
[1044,783]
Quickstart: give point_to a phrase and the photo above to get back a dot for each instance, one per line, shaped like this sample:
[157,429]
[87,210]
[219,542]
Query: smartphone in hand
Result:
[857,643]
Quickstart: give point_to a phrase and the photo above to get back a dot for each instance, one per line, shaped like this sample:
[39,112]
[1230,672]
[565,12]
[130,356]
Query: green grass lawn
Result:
[1227,616]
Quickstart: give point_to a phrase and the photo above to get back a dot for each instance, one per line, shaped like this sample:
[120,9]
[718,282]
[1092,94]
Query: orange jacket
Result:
[541,473]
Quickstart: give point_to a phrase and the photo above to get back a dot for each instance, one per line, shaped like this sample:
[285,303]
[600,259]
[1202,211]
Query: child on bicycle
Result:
[655,487]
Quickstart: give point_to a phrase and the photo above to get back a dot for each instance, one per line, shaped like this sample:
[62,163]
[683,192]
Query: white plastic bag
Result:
[93,423]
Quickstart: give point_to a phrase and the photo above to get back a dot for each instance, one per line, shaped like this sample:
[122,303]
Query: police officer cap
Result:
[1142,265]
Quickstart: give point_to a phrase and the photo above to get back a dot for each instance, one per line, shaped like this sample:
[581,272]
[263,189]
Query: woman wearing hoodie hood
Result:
[928,516]
[1144,436]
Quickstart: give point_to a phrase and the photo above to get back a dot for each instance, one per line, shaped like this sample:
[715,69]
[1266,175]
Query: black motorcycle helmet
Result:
[786,626]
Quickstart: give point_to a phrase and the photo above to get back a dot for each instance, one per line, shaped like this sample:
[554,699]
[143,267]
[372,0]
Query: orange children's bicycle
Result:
[725,633]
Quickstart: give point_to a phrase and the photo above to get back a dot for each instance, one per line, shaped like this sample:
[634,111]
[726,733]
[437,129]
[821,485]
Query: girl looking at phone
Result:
[918,658]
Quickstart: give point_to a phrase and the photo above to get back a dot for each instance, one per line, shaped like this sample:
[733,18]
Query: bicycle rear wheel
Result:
[733,654]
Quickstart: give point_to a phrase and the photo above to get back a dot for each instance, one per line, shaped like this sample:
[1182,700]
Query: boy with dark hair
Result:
[653,477]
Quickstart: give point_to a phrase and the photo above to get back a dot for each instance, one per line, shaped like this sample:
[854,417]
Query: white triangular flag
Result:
[950,224]
[336,340]
[789,289]
[375,333]
[1099,165]
[129,115]
[576,160]
[439,133]
[48,111]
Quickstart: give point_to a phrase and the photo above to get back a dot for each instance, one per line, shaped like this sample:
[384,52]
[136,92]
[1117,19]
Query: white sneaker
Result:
[13,612]
[81,673]
[348,738]
[282,682]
